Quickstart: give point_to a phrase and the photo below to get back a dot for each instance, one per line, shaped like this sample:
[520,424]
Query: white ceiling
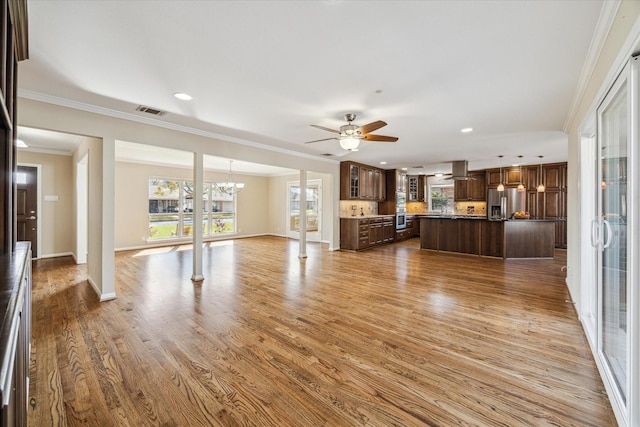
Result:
[263,71]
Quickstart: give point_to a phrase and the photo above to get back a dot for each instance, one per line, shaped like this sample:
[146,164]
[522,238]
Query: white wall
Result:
[107,126]
[609,63]
[278,214]
[132,195]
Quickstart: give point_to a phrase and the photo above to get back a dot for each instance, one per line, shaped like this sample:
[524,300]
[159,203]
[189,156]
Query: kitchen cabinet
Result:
[552,204]
[554,176]
[473,189]
[361,182]
[494,178]
[375,231]
[388,229]
[507,239]
[513,176]
[416,185]
[532,179]
[15,335]
[509,177]
[429,233]
[357,234]
[410,231]
[396,182]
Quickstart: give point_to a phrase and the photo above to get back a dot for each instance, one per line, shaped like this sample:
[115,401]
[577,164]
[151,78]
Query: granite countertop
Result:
[365,216]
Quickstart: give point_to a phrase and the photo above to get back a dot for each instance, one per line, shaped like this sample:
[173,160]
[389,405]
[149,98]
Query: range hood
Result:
[459,170]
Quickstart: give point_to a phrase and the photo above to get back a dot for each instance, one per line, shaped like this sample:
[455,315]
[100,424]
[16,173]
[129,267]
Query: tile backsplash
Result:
[471,208]
[347,207]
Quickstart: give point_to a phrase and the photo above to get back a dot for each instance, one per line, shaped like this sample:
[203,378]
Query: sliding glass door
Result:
[613,121]
[616,247]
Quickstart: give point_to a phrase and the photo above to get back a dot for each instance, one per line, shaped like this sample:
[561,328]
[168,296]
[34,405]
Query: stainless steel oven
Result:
[401,220]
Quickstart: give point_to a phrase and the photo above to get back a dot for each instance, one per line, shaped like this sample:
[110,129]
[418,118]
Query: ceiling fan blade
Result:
[380,138]
[327,129]
[318,140]
[372,126]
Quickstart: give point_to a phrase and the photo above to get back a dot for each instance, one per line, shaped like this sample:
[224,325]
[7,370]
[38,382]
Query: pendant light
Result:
[229,187]
[541,185]
[501,185]
[520,186]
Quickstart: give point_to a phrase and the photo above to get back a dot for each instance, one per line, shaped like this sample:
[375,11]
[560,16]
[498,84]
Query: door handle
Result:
[609,234]
[595,239]
[31,217]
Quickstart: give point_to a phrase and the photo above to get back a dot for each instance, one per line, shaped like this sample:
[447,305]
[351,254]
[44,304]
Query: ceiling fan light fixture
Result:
[350,144]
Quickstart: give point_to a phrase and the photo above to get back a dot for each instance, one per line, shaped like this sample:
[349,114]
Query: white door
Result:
[313,210]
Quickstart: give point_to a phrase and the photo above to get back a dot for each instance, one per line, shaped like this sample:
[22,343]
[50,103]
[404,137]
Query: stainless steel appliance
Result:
[502,204]
[401,210]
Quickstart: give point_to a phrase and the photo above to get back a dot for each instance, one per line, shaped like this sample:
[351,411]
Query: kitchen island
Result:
[518,238]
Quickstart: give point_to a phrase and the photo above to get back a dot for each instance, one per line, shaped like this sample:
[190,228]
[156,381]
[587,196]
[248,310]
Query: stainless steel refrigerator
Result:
[502,204]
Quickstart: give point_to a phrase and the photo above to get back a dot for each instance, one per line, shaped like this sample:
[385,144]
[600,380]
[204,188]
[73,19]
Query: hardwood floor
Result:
[390,336]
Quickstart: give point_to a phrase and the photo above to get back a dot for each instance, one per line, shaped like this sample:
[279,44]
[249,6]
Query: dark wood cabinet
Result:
[554,176]
[494,178]
[473,189]
[552,203]
[357,234]
[492,238]
[375,232]
[388,229]
[15,335]
[413,185]
[416,188]
[361,182]
[532,179]
[429,233]
[513,176]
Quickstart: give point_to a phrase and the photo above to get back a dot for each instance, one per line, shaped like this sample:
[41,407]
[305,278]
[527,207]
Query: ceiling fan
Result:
[350,135]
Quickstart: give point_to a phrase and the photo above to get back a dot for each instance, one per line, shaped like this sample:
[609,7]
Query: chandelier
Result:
[229,187]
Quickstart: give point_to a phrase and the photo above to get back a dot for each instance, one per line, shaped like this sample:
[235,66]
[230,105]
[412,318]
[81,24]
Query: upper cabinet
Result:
[416,188]
[509,177]
[473,189]
[555,176]
[361,182]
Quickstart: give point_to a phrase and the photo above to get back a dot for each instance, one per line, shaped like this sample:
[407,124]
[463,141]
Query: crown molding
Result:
[603,27]
[90,108]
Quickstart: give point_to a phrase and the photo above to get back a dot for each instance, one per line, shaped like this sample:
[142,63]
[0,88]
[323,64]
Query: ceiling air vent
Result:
[150,110]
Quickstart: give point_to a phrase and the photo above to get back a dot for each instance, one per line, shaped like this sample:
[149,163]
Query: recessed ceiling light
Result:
[183,96]
[20,143]
[438,175]
[466,130]
[383,163]
[404,169]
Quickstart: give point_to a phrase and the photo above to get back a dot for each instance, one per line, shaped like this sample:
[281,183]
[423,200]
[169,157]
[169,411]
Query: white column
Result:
[303,214]
[198,183]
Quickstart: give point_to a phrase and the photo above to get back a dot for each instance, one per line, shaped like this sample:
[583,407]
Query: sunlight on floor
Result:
[181,248]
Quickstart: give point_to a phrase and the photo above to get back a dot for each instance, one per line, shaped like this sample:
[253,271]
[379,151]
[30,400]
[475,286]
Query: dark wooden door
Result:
[26,206]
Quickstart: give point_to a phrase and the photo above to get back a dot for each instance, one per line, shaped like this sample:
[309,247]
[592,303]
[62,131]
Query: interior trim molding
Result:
[603,27]
[90,108]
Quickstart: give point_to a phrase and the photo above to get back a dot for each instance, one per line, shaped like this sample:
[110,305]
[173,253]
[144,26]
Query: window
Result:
[441,200]
[171,209]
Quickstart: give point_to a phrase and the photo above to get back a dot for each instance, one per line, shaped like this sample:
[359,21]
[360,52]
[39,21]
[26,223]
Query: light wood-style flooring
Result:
[393,336]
